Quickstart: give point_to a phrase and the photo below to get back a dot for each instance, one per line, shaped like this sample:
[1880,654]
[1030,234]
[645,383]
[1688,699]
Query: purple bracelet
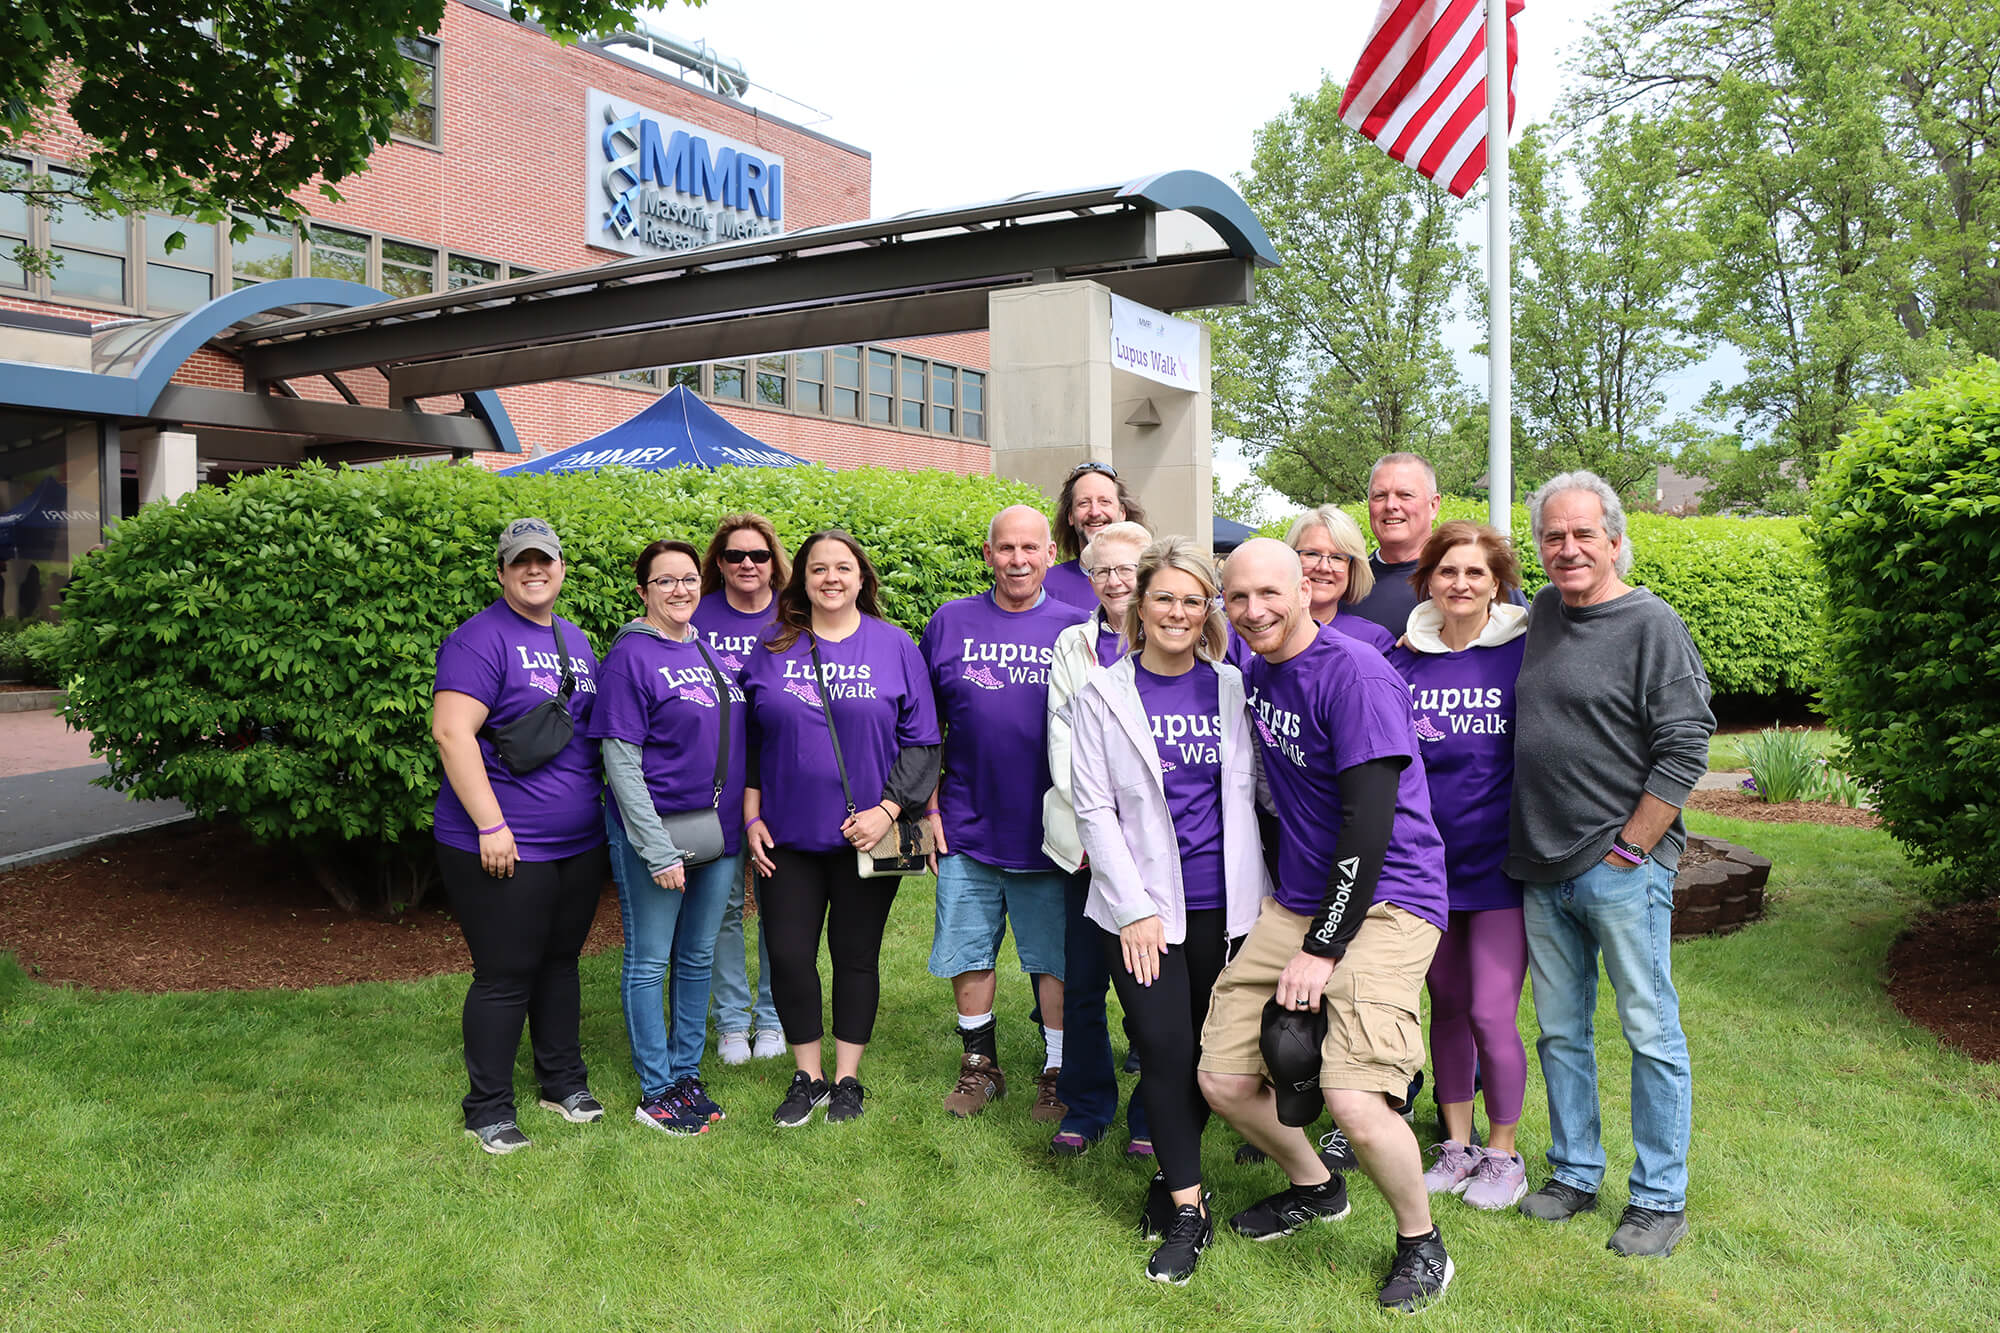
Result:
[489,832]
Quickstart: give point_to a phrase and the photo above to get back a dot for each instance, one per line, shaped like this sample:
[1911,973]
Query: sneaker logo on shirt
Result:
[732,661]
[542,680]
[695,694]
[803,690]
[984,678]
[1427,730]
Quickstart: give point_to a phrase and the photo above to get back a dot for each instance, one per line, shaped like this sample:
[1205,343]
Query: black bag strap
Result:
[562,654]
[722,701]
[819,684]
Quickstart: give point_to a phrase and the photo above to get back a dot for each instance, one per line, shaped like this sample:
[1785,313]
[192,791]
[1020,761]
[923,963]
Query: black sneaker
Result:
[845,1101]
[1337,1153]
[1647,1233]
[1409,1108]
[1131,1065]
[691,1094]
[1418,1275]
[579,1108]
[1557,1202]
[1158,1214]
[805,1093]
[1187,1236]
[1291,1208]
[1249,1154]
[500,1138]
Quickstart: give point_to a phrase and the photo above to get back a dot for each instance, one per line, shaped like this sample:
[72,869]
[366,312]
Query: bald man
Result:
[989,661]
[1357,911]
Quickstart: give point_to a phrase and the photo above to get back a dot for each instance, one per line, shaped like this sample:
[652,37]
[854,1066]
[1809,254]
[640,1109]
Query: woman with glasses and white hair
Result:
[1088,1084]
[1092,499]
[1164,777]
[1336,563]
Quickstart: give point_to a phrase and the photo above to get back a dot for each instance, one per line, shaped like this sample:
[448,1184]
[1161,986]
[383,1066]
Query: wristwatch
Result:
[1630,851]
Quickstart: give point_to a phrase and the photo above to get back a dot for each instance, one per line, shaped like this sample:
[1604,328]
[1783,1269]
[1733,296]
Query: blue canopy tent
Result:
[34,529]
[679,430]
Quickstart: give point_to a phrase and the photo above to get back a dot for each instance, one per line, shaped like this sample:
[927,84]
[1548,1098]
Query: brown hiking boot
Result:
[979,1082]
[1047,1105]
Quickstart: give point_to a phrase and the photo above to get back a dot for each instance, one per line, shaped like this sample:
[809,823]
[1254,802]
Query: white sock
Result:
[1052,1038]
[967,1022]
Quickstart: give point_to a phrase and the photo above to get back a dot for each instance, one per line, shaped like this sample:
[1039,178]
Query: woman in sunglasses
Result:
[1336,564]
[740,576]
[1092,499]
[1164,777]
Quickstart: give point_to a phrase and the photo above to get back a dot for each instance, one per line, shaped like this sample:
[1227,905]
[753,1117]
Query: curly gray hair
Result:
[1614,511]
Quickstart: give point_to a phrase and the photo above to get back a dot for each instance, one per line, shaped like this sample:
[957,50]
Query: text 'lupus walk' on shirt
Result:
[659,695]
[881,701]
[1185,713]
[731,634]
[1336,705]
[509,663]
[1464,704]
[990,670]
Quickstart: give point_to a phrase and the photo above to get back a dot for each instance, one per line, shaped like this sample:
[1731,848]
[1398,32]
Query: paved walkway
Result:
[47,803]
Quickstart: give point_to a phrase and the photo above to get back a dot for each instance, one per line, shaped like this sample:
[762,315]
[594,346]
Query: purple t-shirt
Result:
[1360,627]
[1110,643]
[731,634]
[509,663]
[1465,725]
[1068,583]
[990,670]
[659,695]
[881,701]
[1336,705]
[1185,712]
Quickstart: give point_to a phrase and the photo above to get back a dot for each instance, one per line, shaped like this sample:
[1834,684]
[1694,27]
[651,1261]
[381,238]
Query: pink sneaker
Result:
[1452,1171]
[1499,1181]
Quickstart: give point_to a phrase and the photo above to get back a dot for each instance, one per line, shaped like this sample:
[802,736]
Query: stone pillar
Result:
[1057,399]
[166,465]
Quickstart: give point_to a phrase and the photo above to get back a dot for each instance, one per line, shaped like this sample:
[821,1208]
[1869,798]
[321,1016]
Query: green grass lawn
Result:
[294,1159]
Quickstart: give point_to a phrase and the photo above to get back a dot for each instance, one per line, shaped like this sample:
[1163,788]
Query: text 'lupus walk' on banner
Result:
[1155,345]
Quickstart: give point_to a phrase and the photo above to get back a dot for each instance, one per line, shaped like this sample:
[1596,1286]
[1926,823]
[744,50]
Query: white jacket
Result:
[1424,632]
[1073,659]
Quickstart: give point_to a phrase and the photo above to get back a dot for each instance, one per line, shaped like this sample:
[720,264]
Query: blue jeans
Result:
[733,1012]
[976,901]
[1088,1084]
[1627,915]
[662,927]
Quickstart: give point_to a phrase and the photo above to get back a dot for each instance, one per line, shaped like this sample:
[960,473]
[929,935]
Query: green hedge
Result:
[267,648]
[34,651]
[1906,516]
[1750,589]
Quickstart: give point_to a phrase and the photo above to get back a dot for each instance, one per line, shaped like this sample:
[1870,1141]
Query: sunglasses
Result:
[1104,468]
[732,556]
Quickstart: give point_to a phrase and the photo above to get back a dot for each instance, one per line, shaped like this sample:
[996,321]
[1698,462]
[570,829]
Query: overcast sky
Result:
[963,103]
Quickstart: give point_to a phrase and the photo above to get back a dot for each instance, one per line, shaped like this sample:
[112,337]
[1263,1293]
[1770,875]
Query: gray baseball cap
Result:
[528,534]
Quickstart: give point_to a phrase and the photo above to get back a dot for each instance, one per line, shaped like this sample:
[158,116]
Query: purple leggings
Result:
[1475,983]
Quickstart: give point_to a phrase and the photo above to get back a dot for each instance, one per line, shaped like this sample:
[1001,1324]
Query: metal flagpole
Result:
[1500,315]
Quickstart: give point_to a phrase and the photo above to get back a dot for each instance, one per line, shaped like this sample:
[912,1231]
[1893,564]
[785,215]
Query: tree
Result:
[200,110]
[1340,358]
[1599,302]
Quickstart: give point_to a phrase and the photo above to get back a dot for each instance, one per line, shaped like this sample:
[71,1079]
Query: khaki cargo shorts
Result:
[1374,1041]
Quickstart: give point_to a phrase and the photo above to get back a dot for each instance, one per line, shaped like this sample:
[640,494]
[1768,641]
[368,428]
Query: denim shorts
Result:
[975,902]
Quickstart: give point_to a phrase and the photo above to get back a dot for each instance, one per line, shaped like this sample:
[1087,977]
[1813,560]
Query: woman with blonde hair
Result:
[1335,560]
[1164,778]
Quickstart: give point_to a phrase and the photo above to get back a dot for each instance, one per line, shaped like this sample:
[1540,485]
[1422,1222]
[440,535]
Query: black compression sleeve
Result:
[1367,812]
[913,777]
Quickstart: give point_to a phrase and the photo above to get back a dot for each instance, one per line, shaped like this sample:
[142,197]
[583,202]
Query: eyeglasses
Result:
[1105,573]
[732,556]
[1093,466]
[1314,559]
[669,583]
[1166,601]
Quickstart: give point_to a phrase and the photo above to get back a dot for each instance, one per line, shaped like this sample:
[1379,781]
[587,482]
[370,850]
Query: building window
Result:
[728,382]
[881,386]
[684,377]
[973,418]
[332,253]
[13,227]
[771,381]
[809,384]
[408,270]
[638,379]
[91,250]
[261,256]
[846,381]
[516,271]
[178,280]
[420,80]
[465,271]
[944,398]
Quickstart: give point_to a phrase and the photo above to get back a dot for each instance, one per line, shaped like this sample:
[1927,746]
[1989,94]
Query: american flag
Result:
[1419,91]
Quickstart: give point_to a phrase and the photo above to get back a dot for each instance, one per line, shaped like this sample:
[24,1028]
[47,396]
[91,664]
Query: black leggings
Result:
[524,933]
[1165,1021]
[808,892]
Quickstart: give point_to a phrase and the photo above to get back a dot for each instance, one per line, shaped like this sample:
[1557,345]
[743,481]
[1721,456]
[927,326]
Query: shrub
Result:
[36,651]
[1749,589]
[267,649]
[1904,517]
[1784,765]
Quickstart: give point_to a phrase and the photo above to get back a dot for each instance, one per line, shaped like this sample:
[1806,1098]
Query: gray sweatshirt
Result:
[1612,702]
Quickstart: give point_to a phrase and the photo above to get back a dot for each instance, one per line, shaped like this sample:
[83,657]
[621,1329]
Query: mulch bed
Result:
[1747,805]
[202,907]
[1944,973]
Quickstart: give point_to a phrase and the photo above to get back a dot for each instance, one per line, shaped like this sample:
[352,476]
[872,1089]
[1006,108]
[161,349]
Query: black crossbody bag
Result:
[906,848]
[698,833]
[539,734]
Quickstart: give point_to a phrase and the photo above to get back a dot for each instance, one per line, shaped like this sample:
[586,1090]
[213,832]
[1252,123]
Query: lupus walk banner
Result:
[1155,346]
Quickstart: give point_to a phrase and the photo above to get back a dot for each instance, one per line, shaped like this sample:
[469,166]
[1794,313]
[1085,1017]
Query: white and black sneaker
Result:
[844,1102]
[1337,1153]
[1187,1236]
[1291,1208]
[1418,1274]
[579,1108]
[805,1094]
[500,1138]
[1158,1214]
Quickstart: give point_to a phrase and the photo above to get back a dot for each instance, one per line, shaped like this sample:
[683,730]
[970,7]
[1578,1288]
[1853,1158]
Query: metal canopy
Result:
[902,277]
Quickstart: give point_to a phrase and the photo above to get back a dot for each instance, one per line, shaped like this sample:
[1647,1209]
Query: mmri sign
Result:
[654,184]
